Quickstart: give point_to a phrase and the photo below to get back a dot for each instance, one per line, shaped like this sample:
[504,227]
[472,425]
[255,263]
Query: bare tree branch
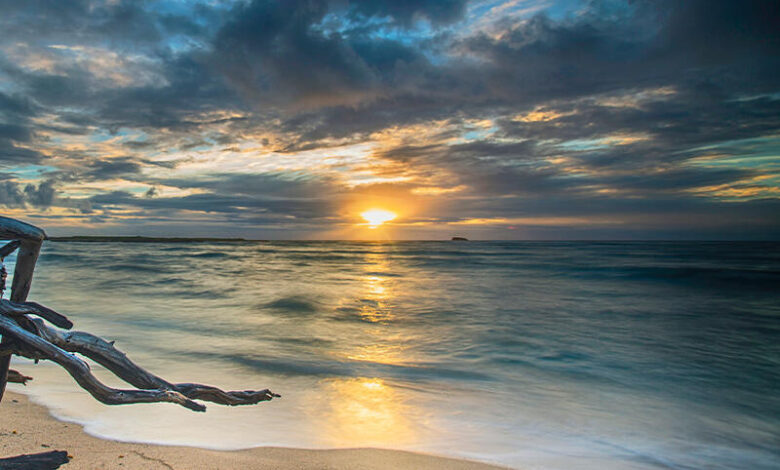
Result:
[34,339]
[80,371]
[32,308]
[104,353]
[17,377]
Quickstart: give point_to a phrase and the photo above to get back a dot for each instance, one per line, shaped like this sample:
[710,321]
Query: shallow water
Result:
[540,355]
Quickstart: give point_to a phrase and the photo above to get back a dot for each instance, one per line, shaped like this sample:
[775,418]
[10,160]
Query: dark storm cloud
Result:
[10,154]
[281,53]
[14,132]
[15,113]
[124,23]
[515,168]
[670,132]
[114,168]
[674,180]
[238,207]
[654,43]
[405,11]
[264,185]
[574,62]
[11,195]
[42,196]
[15,194]
[190,89]
[245,200]
[598,52]
[683,120]
[127,167]
[16,107]
[184,89]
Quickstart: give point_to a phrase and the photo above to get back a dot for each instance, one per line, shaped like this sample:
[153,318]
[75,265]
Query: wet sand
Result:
[27,428]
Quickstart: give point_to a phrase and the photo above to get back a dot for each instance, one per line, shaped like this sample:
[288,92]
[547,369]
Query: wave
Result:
[329,368]
[296,305]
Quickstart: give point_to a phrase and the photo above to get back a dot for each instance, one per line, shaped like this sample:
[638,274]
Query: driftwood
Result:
[17,377]
[44,461]
[29,240]
[33,338]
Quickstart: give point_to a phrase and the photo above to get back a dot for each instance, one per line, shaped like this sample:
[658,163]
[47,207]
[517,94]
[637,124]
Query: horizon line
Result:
[146,238]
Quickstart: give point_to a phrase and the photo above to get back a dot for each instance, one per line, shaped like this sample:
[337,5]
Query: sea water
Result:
[529,354]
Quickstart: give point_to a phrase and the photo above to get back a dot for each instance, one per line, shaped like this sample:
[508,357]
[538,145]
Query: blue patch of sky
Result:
[555,9]
[104,135]
[582,145]
[759,153]
[189,8]
[206,15]
[478,134]
[769,96]
[374,27]
[382,28]
[182,43]
[753,142]
[563,8]
[421,30]
[478,9]
[136,190]
[767,161]
[473,135]
[201,148]
[30,171]
[9,85]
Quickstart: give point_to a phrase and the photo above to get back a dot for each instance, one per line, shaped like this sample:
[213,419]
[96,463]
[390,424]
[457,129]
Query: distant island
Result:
[460,239]
[139,239]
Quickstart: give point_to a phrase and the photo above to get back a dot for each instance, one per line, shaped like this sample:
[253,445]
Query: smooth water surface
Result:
[535,355]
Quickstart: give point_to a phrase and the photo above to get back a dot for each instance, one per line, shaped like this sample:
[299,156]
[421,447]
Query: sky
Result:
[489,119]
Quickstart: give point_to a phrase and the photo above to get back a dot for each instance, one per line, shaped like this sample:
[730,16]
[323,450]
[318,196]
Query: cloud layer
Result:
[493,119]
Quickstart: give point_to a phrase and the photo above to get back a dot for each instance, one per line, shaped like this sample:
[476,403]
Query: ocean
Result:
[540,355]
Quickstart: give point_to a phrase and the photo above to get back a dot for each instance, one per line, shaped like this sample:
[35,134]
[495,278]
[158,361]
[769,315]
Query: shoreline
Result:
[29,428]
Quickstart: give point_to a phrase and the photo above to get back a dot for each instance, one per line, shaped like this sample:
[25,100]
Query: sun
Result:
[376,217]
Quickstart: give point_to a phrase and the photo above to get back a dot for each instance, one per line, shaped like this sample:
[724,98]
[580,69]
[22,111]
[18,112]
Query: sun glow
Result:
[376,217]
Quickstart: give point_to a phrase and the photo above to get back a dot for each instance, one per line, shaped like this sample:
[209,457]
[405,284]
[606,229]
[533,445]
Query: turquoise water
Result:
[540,355]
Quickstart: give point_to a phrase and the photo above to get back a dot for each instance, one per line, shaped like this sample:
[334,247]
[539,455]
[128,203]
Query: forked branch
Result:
[79,370]
[34,339]
[17,377]
[46,342]
[104,353]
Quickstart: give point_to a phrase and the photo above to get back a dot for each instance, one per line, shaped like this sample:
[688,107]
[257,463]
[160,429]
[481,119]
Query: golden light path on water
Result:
[340,412]
[368,410]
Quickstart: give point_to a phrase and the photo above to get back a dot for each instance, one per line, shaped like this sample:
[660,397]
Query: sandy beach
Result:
[27,428]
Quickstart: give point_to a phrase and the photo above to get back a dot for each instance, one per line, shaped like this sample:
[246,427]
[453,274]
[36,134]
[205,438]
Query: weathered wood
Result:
[9,248]
[17,377]
[5,363]
[49,343]
[33,339]
[12,229]
[80,371]
[107,355]
[23,272]
[29,249]
[14,309]
[43,461]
